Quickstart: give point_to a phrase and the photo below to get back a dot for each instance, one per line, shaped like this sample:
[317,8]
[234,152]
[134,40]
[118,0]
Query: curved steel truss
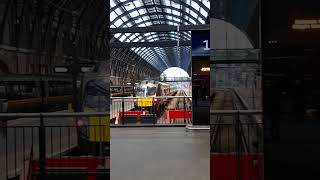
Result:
[56,29]
[144,13]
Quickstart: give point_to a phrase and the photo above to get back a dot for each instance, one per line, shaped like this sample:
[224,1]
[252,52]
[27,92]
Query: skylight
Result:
[144,13]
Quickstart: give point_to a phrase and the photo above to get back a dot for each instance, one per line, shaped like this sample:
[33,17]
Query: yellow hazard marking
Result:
[145,102]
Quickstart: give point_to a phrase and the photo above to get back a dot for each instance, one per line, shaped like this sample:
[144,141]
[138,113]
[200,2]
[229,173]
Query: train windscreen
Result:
[96,96]
[151,91]
[140,91]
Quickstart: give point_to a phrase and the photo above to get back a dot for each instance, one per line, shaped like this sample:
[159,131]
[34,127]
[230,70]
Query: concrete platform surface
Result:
[170,153]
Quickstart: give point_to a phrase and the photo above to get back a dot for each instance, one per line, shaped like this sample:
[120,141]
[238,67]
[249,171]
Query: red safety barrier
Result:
[138,113]
[91,163]
[178,114]
[225,166]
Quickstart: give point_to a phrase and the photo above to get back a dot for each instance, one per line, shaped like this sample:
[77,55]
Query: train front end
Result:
[146,95]
[94,132]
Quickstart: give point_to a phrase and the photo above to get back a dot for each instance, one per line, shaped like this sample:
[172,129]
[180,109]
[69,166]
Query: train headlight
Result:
[155,100]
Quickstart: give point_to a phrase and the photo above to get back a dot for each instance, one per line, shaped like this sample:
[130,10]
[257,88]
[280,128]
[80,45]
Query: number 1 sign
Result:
[200,43]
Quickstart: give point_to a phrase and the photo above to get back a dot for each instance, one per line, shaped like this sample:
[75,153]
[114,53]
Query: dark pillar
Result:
[200,77]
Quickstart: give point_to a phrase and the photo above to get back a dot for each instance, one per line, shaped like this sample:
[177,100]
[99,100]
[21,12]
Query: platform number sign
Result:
[207,45]
[200,43]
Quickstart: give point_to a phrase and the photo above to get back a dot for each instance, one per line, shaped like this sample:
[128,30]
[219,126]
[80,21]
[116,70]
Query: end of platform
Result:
[197,127]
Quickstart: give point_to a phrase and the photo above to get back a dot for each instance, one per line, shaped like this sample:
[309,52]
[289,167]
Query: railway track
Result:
[176,104]
[233,133]
[179,103]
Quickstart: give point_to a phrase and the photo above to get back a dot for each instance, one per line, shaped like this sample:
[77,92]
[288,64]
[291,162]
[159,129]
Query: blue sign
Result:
[200,43]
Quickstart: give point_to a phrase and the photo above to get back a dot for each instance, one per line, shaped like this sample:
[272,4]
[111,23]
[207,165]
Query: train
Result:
[147,93]
[94,132]
[117,91]
[22,93]
[28,86]
[54,103]
[151,88]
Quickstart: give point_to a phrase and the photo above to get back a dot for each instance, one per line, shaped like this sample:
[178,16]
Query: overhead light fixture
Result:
[86,69]
[205,69]
[301,26]
[315,26]
[61,69]
[304,24]
[305,21]
[66,69]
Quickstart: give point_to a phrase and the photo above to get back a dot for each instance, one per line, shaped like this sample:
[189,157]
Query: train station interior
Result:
[159,89]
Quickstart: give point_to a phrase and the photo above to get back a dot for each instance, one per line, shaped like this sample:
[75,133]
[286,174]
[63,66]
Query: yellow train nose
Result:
[145,102]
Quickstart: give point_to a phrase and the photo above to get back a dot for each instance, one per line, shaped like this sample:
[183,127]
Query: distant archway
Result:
[174,72]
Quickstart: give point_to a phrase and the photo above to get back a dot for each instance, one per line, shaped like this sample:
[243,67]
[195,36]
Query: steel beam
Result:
[236,61]
[160,28]
[149,44]
[33,78]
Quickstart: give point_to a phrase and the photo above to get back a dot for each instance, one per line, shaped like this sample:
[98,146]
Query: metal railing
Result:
[240,135]
[160,110]
[39,138]
[239,143]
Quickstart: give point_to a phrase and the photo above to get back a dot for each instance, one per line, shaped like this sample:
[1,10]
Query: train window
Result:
[140,92]
[97,102]
[96,96]
[115,89]
[151,91]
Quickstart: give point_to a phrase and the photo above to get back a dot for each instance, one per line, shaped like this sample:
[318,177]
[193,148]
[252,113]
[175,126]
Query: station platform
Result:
[160,153]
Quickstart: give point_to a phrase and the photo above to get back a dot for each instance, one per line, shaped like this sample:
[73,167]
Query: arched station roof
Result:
[144,13]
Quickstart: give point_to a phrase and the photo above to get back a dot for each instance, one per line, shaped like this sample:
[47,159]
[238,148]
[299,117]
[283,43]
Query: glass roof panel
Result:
[129,6]
[195,5]
[143,13]
[134,14]
[118,22]
[203,12]
[206,3]
[130,24]
[112,3]
[175,5]
[124,18]
[113,15]
[118,11]
[122,38]
[137,4]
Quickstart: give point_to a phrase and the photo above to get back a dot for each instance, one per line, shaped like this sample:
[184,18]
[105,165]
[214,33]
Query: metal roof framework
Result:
[151,13]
